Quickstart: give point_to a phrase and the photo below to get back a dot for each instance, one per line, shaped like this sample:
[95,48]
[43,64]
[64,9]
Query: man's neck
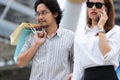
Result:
[51,30]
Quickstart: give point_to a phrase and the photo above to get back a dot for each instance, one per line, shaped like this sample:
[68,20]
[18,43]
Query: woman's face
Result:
[94,7]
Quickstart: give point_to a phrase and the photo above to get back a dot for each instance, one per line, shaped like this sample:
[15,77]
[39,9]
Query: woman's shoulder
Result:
[117,27]
[114,31]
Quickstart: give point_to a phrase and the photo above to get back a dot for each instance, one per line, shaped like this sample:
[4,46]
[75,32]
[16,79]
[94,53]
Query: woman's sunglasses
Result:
[97,4]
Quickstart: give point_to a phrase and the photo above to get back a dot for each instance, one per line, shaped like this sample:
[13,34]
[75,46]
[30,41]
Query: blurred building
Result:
[117,11]
[12,13]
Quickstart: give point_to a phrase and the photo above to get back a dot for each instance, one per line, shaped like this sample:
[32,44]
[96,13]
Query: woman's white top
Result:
[87,50]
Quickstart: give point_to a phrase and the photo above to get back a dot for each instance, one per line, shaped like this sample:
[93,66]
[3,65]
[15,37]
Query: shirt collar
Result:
[59,31]
[87,28]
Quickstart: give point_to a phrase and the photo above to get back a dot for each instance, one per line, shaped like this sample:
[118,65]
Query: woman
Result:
[97,45]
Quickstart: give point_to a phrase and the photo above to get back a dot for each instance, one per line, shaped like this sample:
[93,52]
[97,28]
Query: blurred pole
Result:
[71,14]
[82,18]
[20,8]
[6,9]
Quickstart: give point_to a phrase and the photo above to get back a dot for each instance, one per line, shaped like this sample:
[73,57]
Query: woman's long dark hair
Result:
[110,12]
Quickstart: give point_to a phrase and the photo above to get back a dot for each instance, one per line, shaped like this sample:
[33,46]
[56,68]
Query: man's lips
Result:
[42,21]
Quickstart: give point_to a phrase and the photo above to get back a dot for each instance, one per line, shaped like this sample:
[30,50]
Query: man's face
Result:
[44,15]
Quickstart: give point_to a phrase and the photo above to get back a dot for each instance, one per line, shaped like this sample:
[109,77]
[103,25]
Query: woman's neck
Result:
[94,23]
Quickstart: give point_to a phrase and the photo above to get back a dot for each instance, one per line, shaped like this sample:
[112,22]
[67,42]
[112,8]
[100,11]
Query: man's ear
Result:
[55,15]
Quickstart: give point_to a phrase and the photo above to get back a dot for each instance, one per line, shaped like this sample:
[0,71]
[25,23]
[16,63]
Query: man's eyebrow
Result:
[41,10]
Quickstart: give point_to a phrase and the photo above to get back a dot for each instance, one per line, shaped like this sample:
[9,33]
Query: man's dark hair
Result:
[53,6]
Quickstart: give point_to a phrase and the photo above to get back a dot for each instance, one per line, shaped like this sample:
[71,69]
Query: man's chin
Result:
[44,26]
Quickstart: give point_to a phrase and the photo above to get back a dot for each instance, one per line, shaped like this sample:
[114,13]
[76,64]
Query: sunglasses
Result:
[98,5]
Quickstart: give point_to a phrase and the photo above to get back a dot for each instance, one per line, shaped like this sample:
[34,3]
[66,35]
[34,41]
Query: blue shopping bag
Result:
[21,40]
[118,72]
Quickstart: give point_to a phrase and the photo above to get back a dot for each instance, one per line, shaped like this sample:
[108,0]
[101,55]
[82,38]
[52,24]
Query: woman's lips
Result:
[94,13]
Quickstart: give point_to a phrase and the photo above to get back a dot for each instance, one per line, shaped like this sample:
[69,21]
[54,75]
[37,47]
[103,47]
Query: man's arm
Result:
[25,57]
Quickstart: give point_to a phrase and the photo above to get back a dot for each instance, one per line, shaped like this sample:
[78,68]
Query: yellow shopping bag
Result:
[15,35]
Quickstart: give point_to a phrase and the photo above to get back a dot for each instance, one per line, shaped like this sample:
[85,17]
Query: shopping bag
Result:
[16,33]
[21,40]
[118,72]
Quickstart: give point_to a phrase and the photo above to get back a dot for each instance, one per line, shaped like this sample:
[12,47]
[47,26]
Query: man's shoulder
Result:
[67,30]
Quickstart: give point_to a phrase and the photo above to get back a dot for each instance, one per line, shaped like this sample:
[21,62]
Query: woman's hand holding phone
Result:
[102,18]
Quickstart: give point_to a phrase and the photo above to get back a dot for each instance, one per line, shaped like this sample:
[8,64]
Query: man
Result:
[51,51]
